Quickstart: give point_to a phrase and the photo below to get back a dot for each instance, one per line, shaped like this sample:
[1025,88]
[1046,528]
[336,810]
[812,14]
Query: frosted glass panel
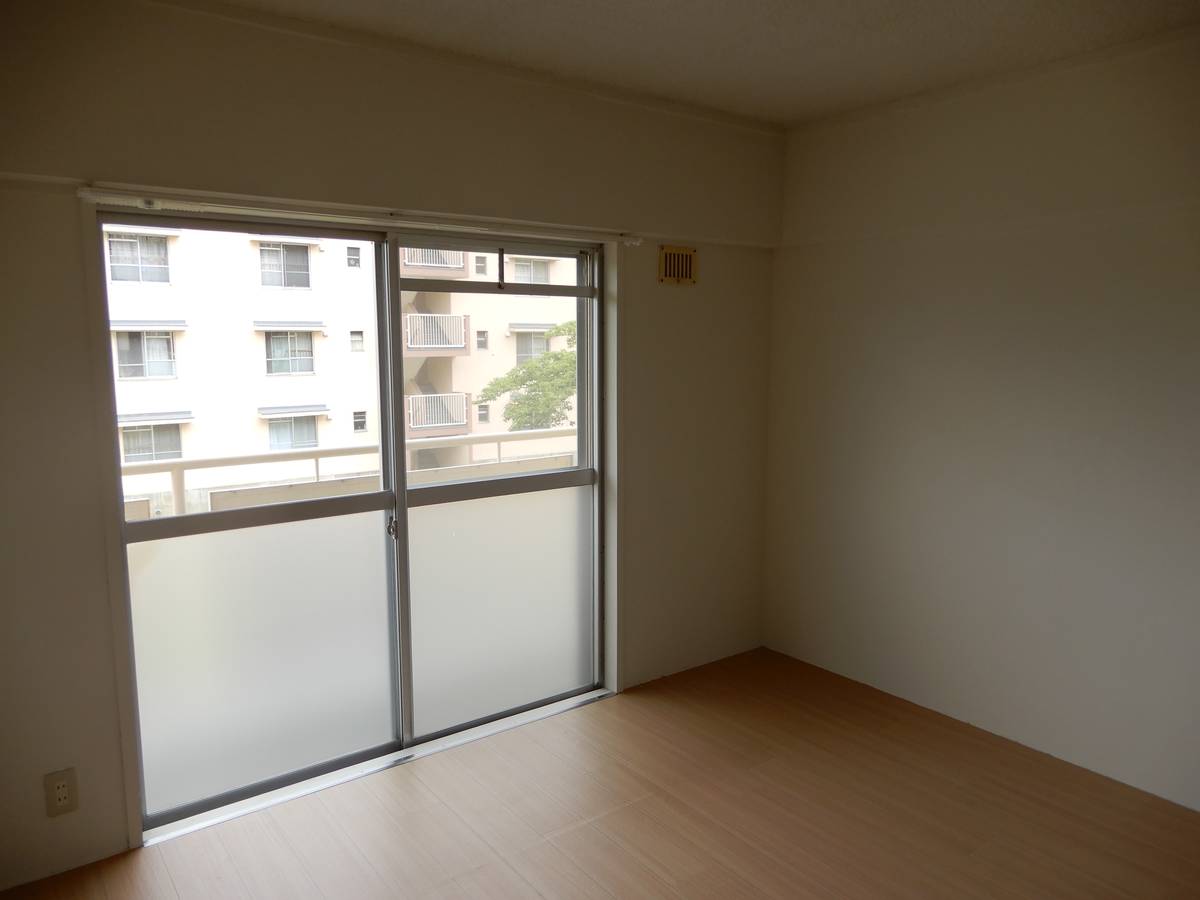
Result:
[501,603]
[259,651]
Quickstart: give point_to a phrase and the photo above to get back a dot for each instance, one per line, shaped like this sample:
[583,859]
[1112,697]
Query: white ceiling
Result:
[782,61]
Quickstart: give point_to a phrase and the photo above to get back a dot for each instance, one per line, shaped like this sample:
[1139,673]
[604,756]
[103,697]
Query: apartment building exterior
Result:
[246,365]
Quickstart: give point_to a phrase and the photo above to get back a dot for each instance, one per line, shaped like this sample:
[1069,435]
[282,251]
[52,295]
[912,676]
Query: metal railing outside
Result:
[436,410]
[429,331]
[424,256]
[178,467]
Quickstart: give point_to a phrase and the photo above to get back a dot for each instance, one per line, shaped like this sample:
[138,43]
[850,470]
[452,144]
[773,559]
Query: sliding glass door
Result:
[358,491]
[253,448]
[499,444]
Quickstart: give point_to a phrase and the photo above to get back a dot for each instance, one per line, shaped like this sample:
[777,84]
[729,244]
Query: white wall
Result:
[692,443]
[984,493]
[150,94]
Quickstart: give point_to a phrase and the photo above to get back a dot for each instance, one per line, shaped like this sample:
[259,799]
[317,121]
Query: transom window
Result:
[530,345]
[289,352]
[145,354]
[531,271]
[284,265]
[293,432]
[146,442]
[137,257]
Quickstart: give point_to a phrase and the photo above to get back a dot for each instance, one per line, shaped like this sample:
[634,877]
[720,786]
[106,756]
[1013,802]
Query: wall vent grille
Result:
[677,265]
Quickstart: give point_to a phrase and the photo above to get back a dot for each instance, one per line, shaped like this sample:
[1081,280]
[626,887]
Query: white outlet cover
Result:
[62,792]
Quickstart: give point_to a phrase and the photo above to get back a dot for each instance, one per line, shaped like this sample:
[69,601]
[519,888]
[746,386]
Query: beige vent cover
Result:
[677,265]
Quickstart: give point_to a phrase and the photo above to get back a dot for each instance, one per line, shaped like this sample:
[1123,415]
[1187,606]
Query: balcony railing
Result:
[438,259]
[177,468]
[429,331]
[437,410]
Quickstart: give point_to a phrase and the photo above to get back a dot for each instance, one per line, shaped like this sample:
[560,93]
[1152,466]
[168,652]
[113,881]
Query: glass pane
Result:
[123,249]
[476,265]
[304,431]
[231,363]
[138,443]
[259,651]
[525,371]
[125,273]
[295,257]
[501,603]
[129,348]
[166,442]
[281,434]
[153,250]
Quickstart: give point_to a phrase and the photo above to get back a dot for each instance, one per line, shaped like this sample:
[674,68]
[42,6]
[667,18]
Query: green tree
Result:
[539,389]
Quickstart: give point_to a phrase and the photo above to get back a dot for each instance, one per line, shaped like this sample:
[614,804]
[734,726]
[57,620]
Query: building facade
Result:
[247,366]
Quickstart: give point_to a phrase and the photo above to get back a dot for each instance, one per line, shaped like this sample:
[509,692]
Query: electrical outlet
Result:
[62,792]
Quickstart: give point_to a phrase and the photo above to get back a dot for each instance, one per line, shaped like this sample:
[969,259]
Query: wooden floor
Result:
[757,776]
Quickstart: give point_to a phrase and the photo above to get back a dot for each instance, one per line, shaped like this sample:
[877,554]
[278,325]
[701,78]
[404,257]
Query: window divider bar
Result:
[524,289]
[458,491]
[254,516]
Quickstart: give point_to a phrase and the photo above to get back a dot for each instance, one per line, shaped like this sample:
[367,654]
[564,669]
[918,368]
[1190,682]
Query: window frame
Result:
[283,269]
[136,239]
[294,354]
[394,496]
[158,334]
[531,262]
[534,353]
[155,455]
[291,423]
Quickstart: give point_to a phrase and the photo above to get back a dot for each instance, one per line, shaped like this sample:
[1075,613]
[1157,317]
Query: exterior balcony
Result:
[437,415]
[436,334]
[423,262]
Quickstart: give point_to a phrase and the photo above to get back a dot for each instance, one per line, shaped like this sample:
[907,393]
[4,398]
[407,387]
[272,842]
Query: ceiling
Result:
[782,61]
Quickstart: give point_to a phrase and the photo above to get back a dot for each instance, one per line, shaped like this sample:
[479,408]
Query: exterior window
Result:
[360,421]
[284,265]
[480,265]
[293,432]
[145,442]
[531,271]
[145,354]
[353,259]
[481,340]
[484,413]
[356,341]
[289,352]
[530,345]
[137,257]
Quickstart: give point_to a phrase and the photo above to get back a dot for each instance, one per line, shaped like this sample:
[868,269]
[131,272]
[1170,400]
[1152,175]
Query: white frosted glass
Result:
[501,604]
[259,651]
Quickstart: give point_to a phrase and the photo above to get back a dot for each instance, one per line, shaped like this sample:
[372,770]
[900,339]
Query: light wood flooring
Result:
[756,776]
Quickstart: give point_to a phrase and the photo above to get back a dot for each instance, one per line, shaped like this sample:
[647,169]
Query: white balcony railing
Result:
[439,259]
[177,468]
[437,410]
[429,331]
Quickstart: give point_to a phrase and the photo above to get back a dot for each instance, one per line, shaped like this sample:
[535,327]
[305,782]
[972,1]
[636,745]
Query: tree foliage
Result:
[539,389]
